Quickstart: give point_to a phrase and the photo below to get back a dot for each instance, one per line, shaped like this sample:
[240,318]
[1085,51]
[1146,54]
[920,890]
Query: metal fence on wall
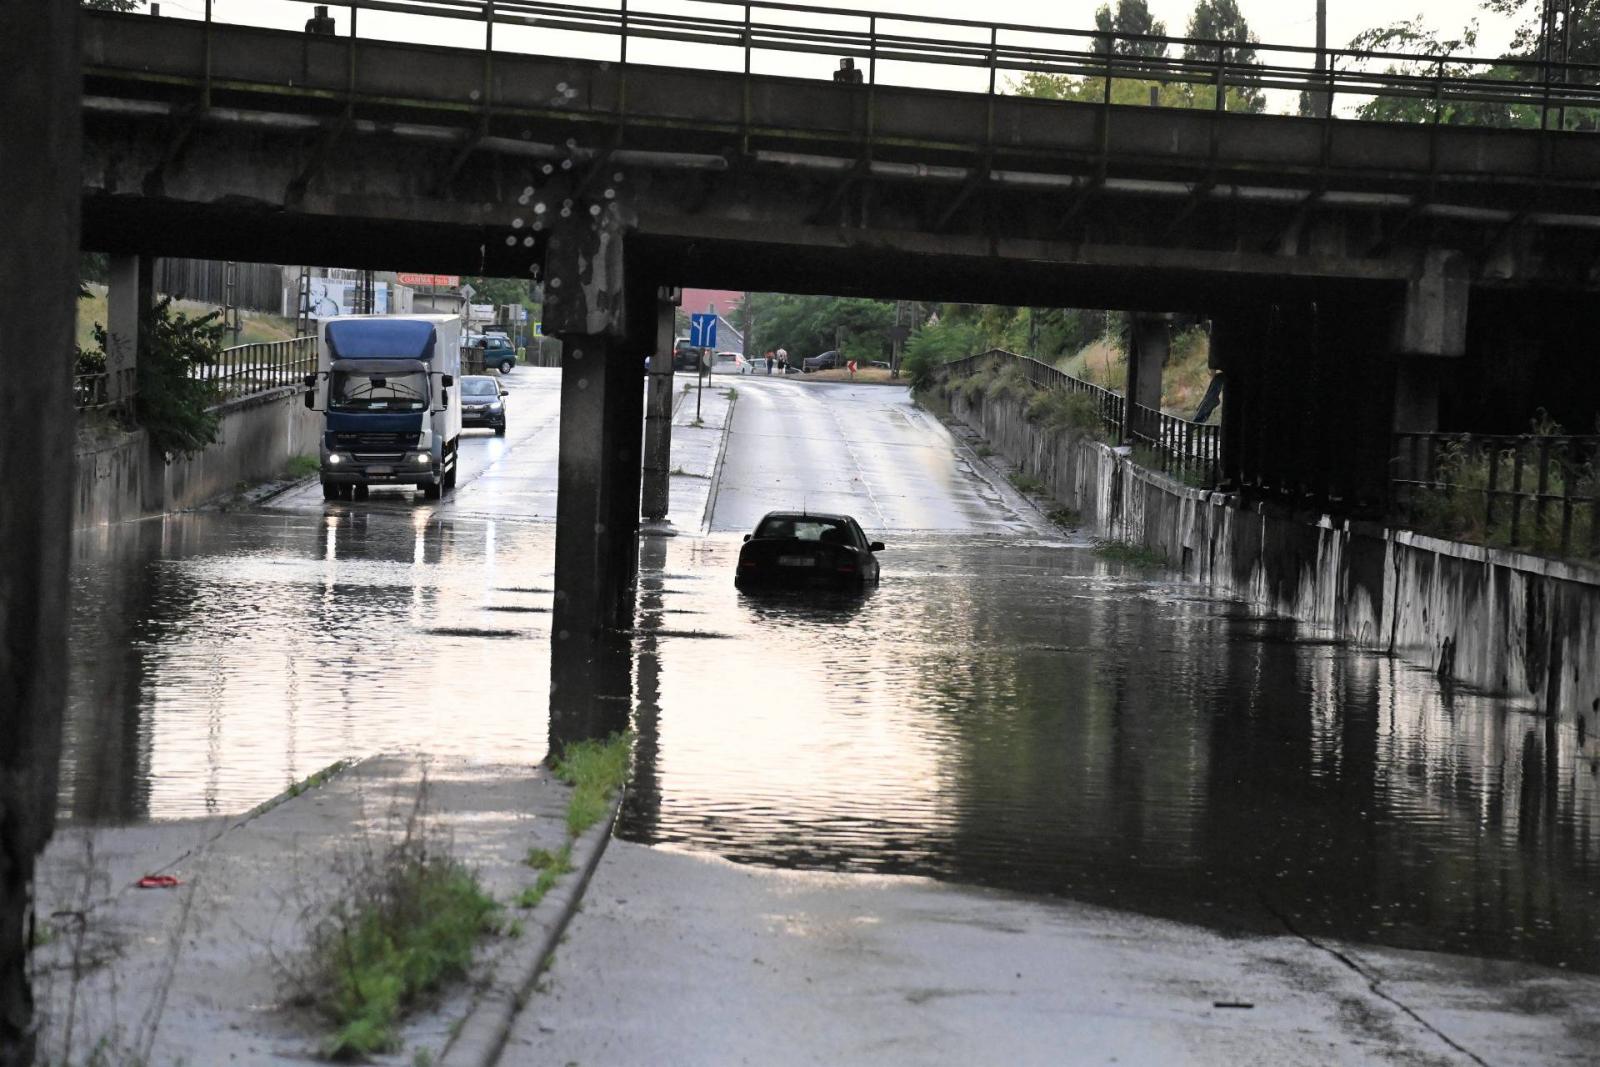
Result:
[1189,451]
[248,369]
[1535,491]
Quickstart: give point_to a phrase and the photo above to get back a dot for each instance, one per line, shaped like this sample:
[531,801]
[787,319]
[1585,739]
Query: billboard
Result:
[449,281]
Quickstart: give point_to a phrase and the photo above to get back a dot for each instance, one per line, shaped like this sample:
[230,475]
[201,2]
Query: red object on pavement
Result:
[158,881]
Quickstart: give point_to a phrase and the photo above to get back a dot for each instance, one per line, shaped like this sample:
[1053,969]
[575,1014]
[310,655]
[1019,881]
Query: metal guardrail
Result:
[1108,405]
[1189,451]
[886,40]
[1539,492]
[95,392]
[257,368]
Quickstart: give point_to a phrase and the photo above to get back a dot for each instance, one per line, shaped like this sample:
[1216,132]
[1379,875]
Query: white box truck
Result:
[387,385]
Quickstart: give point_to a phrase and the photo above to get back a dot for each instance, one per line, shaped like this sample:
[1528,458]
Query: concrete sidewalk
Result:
[698,443]
[686,958]
[193,974]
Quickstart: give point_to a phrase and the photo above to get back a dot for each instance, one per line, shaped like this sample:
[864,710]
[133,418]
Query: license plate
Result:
[796,561]
[380,470]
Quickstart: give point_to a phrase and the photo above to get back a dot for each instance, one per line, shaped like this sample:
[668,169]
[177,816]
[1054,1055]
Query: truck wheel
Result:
[432,491]
[330,491]
[506,365]
[359,492]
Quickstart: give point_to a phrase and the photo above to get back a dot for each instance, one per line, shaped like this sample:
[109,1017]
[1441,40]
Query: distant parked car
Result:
[685,357]
[825,361]
[497,351]
[796,549]
[483,403]
[727,363]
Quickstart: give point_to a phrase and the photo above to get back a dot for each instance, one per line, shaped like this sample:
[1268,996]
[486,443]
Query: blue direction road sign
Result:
[703,331]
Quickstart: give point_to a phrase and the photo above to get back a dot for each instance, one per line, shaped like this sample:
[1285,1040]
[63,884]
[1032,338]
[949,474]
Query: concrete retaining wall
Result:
[124,478]
[1506,623]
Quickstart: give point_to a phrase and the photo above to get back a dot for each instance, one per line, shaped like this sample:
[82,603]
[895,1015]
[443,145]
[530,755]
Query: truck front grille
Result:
[362,441]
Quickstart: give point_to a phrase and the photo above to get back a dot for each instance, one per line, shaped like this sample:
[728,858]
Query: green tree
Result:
[1413,37]
[807,325]
[499,291]
[1131,18]
[173,403]
[1221,20]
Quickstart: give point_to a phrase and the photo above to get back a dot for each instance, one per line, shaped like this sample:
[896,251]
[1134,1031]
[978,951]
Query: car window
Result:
[478,387]
[805,528]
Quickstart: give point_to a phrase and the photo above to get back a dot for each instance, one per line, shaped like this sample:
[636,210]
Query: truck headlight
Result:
[334,459]
[422,458]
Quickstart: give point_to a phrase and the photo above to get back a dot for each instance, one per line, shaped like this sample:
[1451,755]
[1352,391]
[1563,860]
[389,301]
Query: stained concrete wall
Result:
[125,478]
[1506,623]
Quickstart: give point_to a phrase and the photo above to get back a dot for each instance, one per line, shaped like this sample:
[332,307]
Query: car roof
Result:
[805,515]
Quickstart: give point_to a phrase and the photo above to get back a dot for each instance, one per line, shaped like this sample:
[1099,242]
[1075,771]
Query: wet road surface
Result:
[1007,710]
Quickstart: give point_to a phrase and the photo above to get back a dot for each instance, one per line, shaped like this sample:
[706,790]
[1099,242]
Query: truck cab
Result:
[387,386]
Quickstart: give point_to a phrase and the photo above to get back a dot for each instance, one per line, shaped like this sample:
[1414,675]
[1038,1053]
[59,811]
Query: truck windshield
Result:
[377,392]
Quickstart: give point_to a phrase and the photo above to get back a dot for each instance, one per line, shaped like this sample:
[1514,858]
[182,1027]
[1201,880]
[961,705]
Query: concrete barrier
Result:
[1506,623]
[124,477]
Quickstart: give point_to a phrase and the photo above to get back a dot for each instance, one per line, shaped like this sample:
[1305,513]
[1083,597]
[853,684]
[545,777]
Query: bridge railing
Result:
[245,370]
[1534,491]
[897,48]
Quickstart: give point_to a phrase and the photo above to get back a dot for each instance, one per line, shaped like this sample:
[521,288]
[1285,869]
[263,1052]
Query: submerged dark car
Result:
[800,550]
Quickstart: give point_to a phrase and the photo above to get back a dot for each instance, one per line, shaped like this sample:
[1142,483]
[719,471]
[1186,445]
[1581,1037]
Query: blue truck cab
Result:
[392,410]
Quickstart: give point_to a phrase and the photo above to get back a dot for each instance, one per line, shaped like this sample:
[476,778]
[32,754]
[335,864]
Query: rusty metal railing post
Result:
[205,91]
[350,52]
[488,55]
[744,112]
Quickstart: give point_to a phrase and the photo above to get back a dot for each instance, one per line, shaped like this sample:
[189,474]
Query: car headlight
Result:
[495,405]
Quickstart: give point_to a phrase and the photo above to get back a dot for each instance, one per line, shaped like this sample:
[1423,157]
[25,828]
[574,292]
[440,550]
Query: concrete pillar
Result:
[129,294]
[1416,395]
[584,587]
[1149,341]
[584,304]
[40,171]
[658,412]
[1433,321]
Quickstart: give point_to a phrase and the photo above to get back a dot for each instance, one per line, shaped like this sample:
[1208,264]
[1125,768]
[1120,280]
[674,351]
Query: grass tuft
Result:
[404,923]
[1027,483]
[303,466]
[1132,554]
[1065,517]
[594,769]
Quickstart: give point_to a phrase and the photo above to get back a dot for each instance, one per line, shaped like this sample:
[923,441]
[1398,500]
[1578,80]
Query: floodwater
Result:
[1005,710]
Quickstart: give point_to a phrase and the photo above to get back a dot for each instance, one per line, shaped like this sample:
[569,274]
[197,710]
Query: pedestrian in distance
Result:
[783,361]
[769,362]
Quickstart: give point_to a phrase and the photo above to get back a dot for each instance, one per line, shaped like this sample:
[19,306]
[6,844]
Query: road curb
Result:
[716,468]
[481,1037]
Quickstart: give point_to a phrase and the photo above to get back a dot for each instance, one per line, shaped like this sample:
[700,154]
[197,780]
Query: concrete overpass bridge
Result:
[1363,276]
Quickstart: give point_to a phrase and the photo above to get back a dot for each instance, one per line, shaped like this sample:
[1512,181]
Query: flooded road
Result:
[1006,710]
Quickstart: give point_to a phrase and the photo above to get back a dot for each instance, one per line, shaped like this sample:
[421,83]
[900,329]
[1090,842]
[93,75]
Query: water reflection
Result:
[1002,713]
[1026,718]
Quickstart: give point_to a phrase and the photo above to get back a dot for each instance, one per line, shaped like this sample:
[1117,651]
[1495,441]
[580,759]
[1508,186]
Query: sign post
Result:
[703,336]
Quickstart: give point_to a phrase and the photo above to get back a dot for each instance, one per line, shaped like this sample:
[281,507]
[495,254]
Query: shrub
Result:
[1008,383]
[173,402]
[931,347]
[406,921]
[1075,414]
